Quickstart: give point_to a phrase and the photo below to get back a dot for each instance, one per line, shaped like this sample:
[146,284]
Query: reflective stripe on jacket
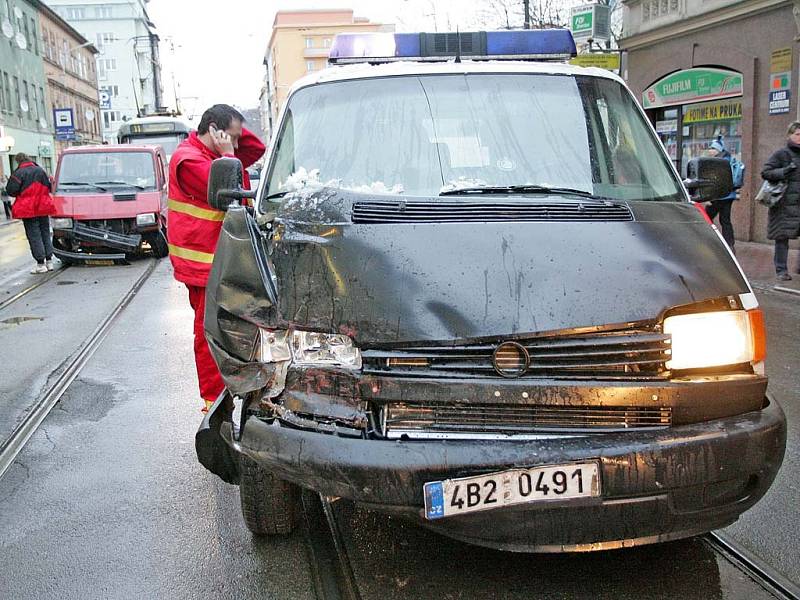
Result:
[30,185]
[192,225]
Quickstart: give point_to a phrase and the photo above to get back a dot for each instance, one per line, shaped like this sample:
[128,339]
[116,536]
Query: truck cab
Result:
[111,203]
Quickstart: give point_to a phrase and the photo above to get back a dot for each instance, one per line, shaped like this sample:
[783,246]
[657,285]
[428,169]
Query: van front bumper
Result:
[656,485]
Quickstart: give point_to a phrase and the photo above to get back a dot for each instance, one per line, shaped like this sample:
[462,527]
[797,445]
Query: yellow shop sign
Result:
[718,111]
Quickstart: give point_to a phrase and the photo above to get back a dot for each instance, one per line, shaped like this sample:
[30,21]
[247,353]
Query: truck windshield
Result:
[108,170]
[433,134]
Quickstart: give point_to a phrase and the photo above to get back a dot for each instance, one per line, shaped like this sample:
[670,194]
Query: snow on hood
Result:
[308,182]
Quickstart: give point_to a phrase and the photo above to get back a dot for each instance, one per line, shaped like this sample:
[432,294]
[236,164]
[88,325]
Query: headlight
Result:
[715,339]
[309,348]
[61,223]
[146,219]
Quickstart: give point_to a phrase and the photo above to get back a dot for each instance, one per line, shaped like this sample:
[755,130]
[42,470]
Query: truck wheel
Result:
[269,504]
[158,242]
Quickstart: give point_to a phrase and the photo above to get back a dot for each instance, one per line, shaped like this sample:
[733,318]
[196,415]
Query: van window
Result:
[111,170]
[428,134]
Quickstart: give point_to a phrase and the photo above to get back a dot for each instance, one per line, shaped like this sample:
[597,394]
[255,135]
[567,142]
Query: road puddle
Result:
[18,320]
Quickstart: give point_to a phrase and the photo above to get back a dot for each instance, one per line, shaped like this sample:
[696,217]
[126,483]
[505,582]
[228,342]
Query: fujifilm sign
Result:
[590,21]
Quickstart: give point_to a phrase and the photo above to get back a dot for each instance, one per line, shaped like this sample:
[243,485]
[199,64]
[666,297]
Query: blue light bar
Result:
[533,44]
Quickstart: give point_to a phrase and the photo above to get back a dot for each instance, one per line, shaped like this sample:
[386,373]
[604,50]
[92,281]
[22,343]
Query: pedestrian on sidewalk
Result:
[722,206]
[193,226]
[5,197]
[30,185]
[784,217]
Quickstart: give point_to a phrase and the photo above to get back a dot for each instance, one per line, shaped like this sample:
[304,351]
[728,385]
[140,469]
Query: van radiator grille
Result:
[461,212]
[623,354]
[494,418]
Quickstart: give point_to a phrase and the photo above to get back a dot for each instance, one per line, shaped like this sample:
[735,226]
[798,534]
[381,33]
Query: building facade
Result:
[299,44]
[25,121]
[708,69]
[128,65]
[69,67]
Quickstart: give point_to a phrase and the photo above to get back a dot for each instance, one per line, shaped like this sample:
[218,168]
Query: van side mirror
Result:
[708,178]
[225,183]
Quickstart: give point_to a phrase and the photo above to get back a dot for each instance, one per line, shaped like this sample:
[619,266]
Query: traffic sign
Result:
[65,124]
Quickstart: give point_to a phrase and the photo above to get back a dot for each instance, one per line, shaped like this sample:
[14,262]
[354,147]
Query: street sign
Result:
[65,124]
[591,21]
[779,102]
[581,21]
[602,60]
[105,100]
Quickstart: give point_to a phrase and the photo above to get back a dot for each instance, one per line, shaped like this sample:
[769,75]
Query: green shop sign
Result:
[692,85]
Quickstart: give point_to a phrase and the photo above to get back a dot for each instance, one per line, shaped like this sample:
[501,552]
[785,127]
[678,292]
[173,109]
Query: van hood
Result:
[120,204]
[445,281]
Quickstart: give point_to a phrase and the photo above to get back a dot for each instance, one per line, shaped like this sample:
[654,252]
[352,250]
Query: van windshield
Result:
[434,134]
[107,170]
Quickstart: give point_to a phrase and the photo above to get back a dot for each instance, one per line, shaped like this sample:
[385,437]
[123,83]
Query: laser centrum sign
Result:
[692,85]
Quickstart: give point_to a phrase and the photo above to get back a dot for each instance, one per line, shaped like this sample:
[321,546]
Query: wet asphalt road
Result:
[108,501]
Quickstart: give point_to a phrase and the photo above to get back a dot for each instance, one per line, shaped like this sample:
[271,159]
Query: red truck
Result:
[111,203]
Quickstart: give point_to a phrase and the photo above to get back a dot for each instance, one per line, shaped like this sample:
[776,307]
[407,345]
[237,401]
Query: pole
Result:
[527,5]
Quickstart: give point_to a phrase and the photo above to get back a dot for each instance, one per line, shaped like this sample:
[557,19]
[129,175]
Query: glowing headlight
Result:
[61,223]
[309,348]
[714,339]
[146,219]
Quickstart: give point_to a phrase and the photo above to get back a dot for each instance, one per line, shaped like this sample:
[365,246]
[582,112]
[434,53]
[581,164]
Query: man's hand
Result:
[221,140]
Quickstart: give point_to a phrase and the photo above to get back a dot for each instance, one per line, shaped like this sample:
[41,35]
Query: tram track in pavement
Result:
[35,285]
[334,578]
[11,447]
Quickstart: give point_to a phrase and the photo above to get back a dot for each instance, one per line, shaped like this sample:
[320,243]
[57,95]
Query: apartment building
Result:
[128,64]
[25,121]
[299,44]
[69,66]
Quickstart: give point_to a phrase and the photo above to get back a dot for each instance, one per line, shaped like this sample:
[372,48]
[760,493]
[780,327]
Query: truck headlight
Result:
[309,349]
[714,339]
[61,223]
[145,219]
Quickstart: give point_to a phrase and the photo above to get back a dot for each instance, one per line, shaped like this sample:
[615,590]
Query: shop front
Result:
[692,108]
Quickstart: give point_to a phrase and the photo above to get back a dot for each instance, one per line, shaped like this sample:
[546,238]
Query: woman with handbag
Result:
[784,216]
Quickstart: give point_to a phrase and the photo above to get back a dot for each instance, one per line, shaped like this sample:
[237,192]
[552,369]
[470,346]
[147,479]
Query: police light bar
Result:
[530,44]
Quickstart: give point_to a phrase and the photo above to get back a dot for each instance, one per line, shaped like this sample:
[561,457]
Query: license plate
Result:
[515,486]
[100,262]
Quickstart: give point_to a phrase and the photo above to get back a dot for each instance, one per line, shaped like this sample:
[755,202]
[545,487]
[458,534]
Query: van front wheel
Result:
[269,505]
[158,243]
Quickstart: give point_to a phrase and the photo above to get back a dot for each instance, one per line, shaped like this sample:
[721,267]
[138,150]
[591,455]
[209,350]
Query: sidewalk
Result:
[756,261]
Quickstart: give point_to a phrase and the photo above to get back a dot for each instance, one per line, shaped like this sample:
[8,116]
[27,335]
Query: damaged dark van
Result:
[475,292]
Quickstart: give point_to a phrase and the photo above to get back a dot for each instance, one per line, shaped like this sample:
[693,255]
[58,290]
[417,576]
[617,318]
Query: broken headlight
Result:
[309,349]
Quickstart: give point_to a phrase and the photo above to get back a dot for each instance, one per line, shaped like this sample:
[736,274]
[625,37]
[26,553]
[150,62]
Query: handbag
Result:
[771,193]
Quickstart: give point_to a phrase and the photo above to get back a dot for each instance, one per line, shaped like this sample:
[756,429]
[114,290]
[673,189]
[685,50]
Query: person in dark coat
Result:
[30,185]
[722,206]
[784,217]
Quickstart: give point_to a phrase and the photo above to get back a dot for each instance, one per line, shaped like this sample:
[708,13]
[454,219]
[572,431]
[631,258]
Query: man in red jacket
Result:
[193,227]
[34,205]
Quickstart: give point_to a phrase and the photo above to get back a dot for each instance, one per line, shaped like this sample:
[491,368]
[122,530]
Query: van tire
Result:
[158,243]
[270,505]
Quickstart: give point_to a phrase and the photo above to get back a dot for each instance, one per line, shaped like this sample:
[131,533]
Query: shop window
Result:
[705,122]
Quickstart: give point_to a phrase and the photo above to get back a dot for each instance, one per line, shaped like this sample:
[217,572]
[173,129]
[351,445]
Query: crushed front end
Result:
[368,379]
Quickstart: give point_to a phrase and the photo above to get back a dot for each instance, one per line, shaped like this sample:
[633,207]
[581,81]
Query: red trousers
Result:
[211,384]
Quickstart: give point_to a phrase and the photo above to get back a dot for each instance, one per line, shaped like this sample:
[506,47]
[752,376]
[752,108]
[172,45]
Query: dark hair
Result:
[221,115]
[21,157]
[793,126]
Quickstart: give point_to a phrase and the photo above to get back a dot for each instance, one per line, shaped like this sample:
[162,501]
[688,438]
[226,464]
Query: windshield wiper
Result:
[138,187]
[82,184]
[524,189]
